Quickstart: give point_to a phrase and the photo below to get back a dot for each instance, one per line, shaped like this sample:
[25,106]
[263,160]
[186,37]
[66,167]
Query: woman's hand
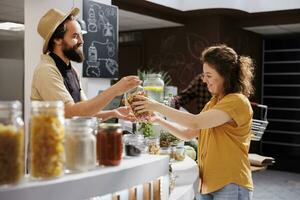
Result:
[144,104]
[125,84]
[154,118]
[124,113]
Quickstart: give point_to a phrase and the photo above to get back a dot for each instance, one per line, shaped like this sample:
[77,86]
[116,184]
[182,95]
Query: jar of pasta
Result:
[11,143]
[109,144]
[46,139]
[80,144]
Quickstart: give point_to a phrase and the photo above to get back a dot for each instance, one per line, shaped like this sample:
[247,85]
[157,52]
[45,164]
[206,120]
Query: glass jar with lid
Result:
[153,145]
[109,144]
[165,151]
[95,121]
[80,144]
[134,144]
[132,96]
[154,87]
[11,143]
[46,139]
[178,153]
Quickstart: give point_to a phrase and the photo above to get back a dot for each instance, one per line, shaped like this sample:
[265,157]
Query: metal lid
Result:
[13,105]
[94,120]
[133,137]
[79,122]
[109,126]
[153,76]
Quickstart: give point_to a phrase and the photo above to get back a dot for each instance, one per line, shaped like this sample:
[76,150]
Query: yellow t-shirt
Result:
[223,150]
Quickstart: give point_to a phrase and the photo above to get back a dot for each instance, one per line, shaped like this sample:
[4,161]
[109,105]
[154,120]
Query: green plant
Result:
[165,76]
[167,139]
[146,128]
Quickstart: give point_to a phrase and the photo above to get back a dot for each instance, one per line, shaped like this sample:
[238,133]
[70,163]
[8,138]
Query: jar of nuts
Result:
[178,153]
[153,145]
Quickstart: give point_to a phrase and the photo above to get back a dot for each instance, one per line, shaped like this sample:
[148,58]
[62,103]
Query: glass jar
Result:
[134,144]
[11,143]
[132,96]
[153,145]
[178,153]
[165,151]
[109,144]
[46,139]
[154,87]
[93,120]
[80,144]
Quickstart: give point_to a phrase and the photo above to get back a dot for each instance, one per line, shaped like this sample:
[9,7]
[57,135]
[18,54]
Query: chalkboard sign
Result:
[101,41]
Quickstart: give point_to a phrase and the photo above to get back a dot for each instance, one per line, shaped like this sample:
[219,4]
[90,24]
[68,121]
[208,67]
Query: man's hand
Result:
[125,84]
[124,113]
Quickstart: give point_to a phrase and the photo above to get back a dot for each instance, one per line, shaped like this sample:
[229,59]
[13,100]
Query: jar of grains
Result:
[11,143]
[80,144]
[46,139]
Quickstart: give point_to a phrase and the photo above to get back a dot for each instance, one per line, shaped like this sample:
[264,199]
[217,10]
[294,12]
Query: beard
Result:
[73,53]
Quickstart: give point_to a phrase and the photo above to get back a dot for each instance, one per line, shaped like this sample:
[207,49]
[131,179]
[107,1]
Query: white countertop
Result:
[187,179]
[101,181]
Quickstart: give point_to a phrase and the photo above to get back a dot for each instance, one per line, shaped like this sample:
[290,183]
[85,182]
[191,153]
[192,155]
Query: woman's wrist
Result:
[157,107]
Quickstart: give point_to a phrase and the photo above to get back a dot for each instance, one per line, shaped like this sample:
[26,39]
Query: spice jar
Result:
[46,139]
[11,143]
[154,87]
[109,144]
[165,151]
[153,145]
[134,144]
[178,153]
[80,144]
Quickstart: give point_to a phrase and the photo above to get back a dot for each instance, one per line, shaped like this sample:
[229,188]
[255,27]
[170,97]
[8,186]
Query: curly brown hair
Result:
[237,71]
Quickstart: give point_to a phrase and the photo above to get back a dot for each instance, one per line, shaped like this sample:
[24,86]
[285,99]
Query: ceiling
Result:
[252,6]
[275,29]
[134,21]
[13,11]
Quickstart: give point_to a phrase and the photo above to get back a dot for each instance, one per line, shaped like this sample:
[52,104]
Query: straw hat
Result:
[49,23]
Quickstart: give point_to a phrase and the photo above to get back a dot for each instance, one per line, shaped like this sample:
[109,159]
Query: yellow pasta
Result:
[11,154]
[46,147]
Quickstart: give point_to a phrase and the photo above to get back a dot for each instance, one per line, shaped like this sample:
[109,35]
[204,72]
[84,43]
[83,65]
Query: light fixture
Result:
[82,25]
[10,26]
[81,22]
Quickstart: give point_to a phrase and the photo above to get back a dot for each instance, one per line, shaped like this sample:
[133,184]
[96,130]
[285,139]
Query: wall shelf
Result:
[280,92]
[282,50]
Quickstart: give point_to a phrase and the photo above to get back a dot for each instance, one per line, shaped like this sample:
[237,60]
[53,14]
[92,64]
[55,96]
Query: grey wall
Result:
[12,70]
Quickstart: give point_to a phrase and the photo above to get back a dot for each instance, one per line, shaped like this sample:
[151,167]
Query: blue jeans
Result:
[229,192]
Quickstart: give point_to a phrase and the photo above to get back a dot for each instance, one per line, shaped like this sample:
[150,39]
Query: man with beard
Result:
[55,79]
